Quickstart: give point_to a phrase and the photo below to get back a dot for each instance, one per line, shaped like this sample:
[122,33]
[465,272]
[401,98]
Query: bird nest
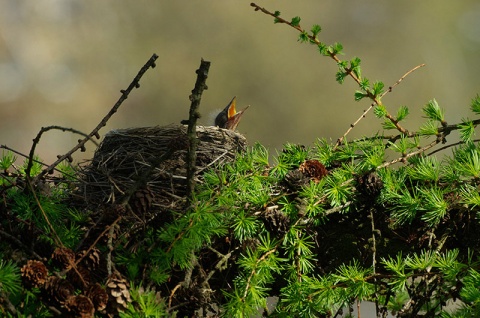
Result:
[150,164]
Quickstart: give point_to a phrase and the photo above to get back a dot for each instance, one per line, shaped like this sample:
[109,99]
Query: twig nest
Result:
[125,155]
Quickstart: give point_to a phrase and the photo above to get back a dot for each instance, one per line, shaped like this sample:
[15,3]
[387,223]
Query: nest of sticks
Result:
[148,165]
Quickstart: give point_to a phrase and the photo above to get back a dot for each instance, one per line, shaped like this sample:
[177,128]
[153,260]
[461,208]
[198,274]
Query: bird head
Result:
[229,118]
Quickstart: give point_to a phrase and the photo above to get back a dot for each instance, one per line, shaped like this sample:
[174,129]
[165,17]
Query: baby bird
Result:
[229,118]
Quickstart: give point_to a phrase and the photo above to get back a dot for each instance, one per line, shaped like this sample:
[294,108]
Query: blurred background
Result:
[63,62]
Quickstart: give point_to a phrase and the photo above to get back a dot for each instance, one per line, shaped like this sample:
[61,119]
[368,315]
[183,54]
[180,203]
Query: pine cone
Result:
[142,199]
[295,179]
[58,290]
[80,307]
[63,258]
[276,222]
[77,281]
[98,295]
[34,274]
[313,169]
[370,184]
[119,296]
[92,260]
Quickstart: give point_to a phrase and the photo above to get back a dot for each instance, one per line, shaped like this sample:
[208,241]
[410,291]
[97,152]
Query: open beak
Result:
[229,118]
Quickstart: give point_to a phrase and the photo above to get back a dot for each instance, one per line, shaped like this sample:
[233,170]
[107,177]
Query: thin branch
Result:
[97,239]
[401,79]
[195,98]
[55,237]
[43,130]
[81,144]
[34,160]
[340,140]
[364,114]
[261,259]
[450,146]
[313,39]
[411,154]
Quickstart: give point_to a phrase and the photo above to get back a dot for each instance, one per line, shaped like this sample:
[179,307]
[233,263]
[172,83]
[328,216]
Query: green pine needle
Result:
[433,111]
[475,104]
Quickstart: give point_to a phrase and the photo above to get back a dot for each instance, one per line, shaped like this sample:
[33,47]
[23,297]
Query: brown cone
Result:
[80,306]
[34,274]
[313,169]
[92,260]
[58,290]
[141,201]
[63,258]
[98,295]
[119,296]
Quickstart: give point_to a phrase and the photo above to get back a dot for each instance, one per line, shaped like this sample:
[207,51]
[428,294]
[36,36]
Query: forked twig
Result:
[313,39]
[81,144]
[43,130]
[340,140]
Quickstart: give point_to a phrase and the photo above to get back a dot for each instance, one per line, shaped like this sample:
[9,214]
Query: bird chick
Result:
[229,118]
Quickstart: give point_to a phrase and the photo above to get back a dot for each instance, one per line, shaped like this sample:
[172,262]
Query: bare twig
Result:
[81,144]
[34,160]
[340,140]
[9,306]
[195,98]
[450,146]
[411,154]
[401,79]
[43,130]
[313,39]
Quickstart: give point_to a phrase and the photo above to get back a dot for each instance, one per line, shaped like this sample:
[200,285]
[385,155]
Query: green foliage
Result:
[337,188]
[36,166]
[346,68]
[373,219]
[244,226]
[197,227]
[9,277]
[402,113]
[433,111]
[295,21]
[48,211]
[316,29]
[291,157]
[7,159]
[146,304]
[429,128]
[475,105]
[466,130]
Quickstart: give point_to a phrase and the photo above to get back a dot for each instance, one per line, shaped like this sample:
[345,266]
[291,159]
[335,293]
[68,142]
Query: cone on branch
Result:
[295,180]
[98,295]
[313,169]
[92,260]
[276,222]
[370,184]
[34,274]
[118,293]
[63,258]
[58,290]
[80,278]
[142,199]
[79,306]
